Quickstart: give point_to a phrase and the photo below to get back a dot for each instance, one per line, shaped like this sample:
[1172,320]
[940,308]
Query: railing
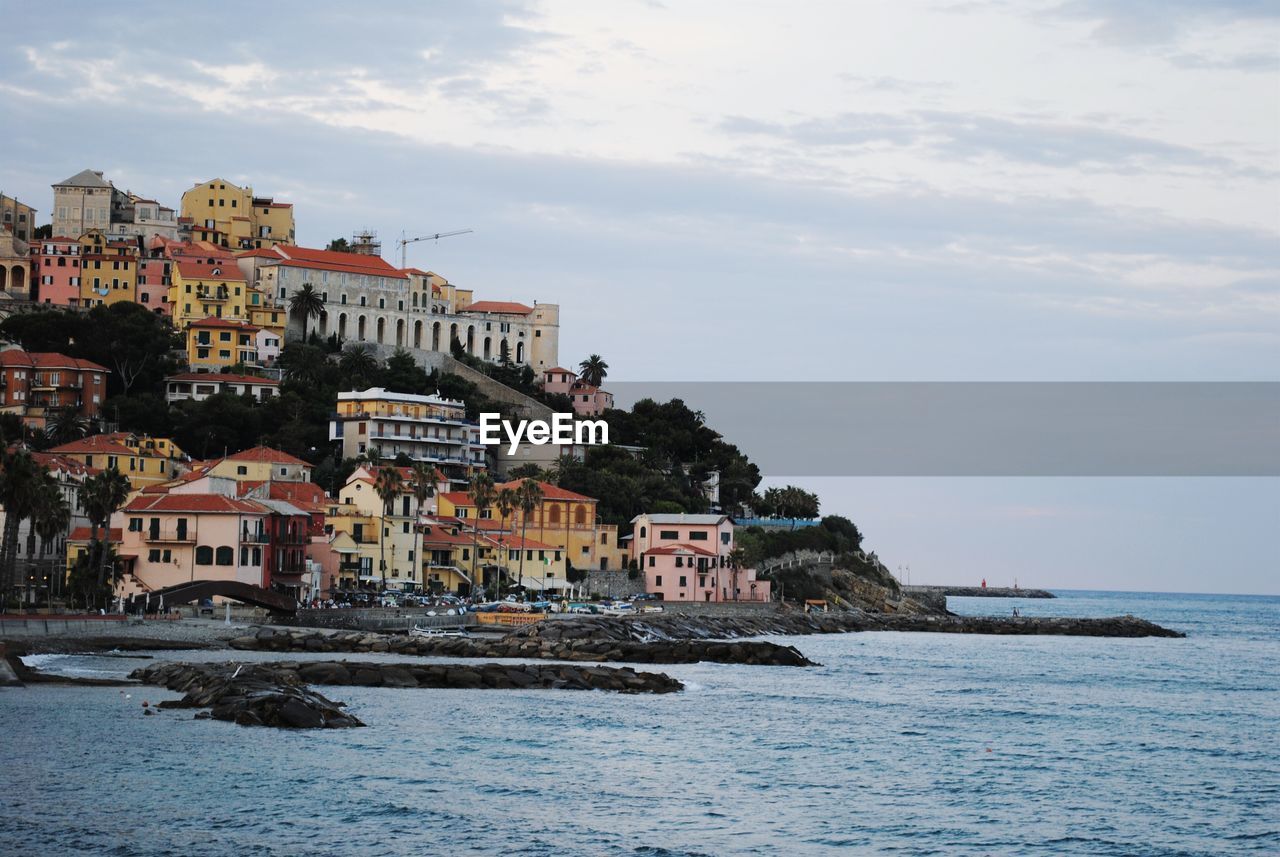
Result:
[258,538]
[175,535]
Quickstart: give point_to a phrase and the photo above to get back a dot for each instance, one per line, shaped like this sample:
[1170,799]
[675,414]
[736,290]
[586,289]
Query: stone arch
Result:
[381,327]
[342,325]
[487,348]
[435,336]
[324,323]
[519,352]
[453,335]
[417,334]
[471,339]
[360,328]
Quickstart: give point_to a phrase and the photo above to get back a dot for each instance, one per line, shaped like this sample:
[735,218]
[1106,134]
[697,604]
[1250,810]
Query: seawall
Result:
[980,592]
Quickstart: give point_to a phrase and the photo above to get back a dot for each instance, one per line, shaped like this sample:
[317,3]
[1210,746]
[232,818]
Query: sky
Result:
[1069,190]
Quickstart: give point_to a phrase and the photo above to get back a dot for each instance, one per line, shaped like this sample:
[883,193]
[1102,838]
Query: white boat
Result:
[415,631]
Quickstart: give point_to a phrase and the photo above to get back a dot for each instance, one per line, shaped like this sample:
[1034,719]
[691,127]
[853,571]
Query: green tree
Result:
[307,304]
[20,480]
[594,370]
[51,518]
[101,495]
[388,484]
[65,425]
[506,501]
[339,245]
[357,365]
[482,496]
[529,497]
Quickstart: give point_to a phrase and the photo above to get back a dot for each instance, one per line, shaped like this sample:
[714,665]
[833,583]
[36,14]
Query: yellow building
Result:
[108,269]
[261,464]
[217,344]
[564,520]
[228,215]
[142,460]
[200,290]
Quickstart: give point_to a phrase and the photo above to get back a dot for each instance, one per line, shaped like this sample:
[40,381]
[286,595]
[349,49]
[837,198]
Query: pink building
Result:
[588,400]
[55,271]
[153,285]
[686,558]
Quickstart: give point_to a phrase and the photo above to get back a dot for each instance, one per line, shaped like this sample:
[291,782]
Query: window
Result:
[204,555]
[684,581]
[651,562]
[643,532]
[226,556]
[135,525]
[580,515]
[669,534]
[657,580]
[679,562]
[153,555]
[724,538]
[695,536]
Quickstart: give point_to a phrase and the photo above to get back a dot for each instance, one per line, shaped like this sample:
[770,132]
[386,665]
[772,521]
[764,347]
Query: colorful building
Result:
[55,271]
[17,218]
[217,344]
[228,215]
[588,399]
[142,460]
[564,520]
[108,269]
[261,464]
[689,558]
[36,385]
[425,428]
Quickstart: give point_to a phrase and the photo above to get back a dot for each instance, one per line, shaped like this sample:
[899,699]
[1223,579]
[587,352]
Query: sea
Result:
[899,743]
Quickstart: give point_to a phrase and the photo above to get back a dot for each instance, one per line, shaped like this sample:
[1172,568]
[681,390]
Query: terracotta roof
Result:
[228,270]
[46,360]
[501,307]
[560,369]
[265,453]
[211,321]
[669,550]
[549,491]
[263,253]
[53,461]
[351,263]
[223,377]
[210,503]
[99,443]
[515,542]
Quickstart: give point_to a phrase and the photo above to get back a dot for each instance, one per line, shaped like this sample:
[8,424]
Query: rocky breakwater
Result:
[257,695]
[690,628]
[578,647]
[276,694]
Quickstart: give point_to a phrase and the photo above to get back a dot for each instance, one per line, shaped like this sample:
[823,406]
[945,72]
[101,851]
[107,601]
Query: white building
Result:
[200,386]
[425,428]
[369,300]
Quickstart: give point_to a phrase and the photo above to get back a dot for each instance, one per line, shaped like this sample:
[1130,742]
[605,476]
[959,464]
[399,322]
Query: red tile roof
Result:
[46,360]
[330,260]
[560,369]
[668,550]
[260,253]
[228,270]
[53,461]
[265,453]
[99,443]
[549,491]
[215,504]
[501,307]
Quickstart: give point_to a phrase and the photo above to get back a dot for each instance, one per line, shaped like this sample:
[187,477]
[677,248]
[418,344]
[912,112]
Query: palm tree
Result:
[358,364]
[594,370]
[52,516]
[482,495]
[529,498]
[423,482]
[20,477]
[101,495]
[389,484]
[307,303]
[736,559]
[506,501]
[66,425]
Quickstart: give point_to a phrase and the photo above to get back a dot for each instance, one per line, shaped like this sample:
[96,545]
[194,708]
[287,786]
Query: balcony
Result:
[173,536]
[217,297]
[255,538]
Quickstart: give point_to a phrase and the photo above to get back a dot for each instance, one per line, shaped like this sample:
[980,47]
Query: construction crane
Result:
[405,242]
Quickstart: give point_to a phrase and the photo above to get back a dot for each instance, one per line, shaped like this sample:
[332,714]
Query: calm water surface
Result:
[899,743]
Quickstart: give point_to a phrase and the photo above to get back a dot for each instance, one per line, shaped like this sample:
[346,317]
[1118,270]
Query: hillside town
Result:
[119,484]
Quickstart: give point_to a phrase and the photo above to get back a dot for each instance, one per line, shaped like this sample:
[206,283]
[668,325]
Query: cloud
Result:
[971,136]
[1158,21]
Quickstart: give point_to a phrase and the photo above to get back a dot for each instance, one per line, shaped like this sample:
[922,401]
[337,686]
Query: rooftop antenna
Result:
[405,242]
